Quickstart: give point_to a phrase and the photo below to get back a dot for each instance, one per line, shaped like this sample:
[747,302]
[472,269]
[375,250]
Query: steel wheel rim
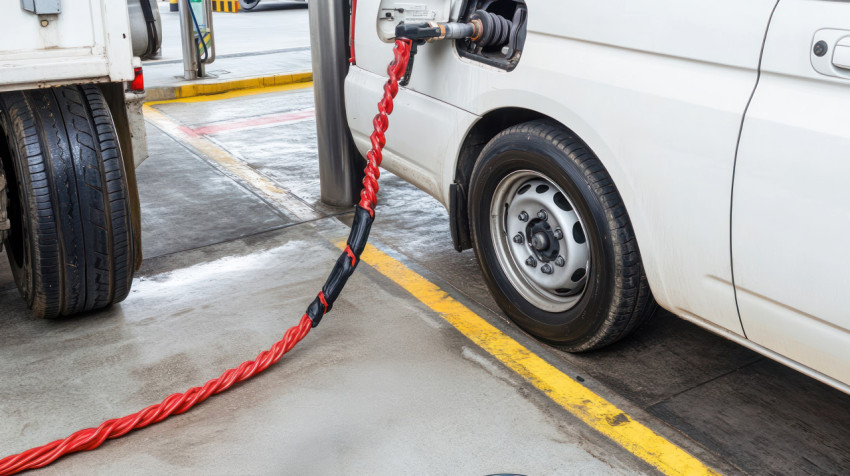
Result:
[557,278]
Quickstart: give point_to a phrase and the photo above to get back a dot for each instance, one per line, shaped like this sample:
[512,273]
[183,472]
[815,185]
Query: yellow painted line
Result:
[231,165]
[577,399]
[200,92]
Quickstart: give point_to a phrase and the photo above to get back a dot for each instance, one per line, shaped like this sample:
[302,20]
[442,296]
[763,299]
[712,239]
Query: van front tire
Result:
[554,240]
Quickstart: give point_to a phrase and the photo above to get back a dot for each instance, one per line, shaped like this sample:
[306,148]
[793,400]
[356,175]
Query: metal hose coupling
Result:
[455,30]
[484,28]
[420,32]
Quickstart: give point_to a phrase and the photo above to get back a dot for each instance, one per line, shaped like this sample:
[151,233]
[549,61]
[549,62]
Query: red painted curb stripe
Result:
[283,118]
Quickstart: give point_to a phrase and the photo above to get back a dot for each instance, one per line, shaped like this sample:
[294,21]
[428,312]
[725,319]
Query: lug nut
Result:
[558,234]
[518,238]
[560,261]
[546,268]
[542,215]
[531,261]
[523,216]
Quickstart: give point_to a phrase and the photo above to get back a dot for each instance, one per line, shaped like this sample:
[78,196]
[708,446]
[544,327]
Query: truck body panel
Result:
[87,42]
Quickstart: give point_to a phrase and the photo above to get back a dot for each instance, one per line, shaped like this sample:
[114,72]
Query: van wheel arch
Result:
[485,129]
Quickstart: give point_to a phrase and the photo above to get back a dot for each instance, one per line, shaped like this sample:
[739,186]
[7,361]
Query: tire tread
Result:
[76,194]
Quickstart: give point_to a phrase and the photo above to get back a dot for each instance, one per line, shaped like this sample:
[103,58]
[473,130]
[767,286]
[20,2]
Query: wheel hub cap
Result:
[554,240]
[540,242]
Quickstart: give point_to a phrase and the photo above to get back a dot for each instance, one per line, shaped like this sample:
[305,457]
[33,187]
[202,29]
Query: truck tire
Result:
[70,245]
[554,240]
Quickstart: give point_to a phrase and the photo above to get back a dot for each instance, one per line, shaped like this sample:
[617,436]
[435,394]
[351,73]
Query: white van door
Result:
[791,200]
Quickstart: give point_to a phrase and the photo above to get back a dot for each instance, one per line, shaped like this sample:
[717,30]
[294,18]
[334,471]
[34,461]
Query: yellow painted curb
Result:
[206,89]
[572,396]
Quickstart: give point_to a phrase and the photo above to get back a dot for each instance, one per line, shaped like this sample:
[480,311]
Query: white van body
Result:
[727,137]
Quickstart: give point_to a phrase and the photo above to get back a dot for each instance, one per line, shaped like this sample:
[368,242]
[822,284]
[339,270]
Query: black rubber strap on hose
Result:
[344,267]
[360,230]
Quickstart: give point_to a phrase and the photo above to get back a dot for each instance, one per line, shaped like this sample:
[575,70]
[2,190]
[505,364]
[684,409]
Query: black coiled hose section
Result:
[494,28]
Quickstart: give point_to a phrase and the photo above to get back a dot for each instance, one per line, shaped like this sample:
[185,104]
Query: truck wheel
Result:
[554,240]
[70,245]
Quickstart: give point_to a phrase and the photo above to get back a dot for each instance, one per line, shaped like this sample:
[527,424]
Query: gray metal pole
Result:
[340,164]
[211,47]
[187,37]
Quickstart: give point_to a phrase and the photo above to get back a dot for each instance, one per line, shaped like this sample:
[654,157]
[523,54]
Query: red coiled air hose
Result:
[91,438]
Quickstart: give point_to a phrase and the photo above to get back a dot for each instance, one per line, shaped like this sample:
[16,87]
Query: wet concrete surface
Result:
[383,386]
[212,208]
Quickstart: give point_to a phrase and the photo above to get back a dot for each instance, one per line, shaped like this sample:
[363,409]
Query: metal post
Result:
[187,36]
[340,164]
[209,21]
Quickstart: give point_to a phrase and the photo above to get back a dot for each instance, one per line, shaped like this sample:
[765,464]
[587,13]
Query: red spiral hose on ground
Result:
[175,404]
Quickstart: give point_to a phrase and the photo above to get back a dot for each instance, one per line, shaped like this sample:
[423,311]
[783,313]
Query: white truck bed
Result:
[88,41]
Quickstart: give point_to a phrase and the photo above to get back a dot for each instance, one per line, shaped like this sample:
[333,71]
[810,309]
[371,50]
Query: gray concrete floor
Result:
[383,386]
[373,392]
